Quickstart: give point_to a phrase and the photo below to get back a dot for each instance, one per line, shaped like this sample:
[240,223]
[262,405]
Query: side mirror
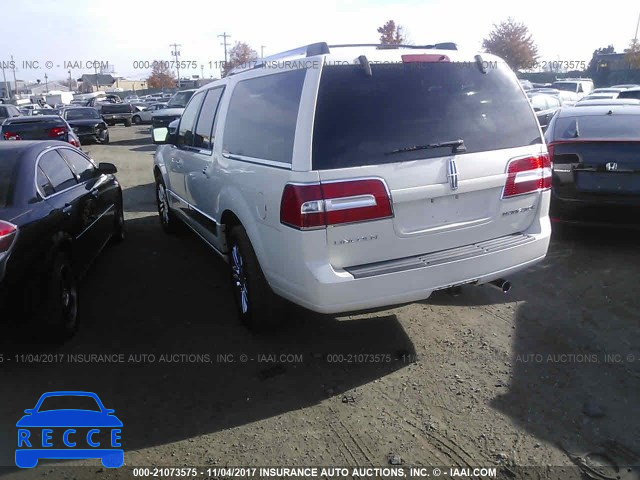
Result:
[107,168]
[109,411]
[29,411]
[161,136]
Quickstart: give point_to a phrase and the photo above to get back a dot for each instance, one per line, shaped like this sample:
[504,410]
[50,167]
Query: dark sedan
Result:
[545,107]
[87,123]
[38,127]
[58,210]
[595,152]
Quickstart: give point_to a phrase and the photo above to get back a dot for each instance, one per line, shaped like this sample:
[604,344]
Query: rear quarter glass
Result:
[360,119]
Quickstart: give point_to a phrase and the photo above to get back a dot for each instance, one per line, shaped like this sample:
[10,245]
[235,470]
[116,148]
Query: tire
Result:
[259,309]
[136,120]
[119,228]
[111,124]
[168,220]
[60,306]
[105,138]
[127,123]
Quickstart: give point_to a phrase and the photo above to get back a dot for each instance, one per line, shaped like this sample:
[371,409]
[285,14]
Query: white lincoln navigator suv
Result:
[350,177]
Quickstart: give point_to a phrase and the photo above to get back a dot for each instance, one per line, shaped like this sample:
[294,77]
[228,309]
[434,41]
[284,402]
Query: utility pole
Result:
[4,77]
[176,53]
[262,51]
[15,83]
[224,36]
[46,83]
[635,38]
[95,69]
[70,87]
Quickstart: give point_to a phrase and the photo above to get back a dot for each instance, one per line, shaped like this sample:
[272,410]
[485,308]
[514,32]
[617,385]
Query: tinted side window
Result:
[204,129]
[81,166]
[188,120]
[44,183]
[3,112]
[261,122]
[630,94]
[59,173]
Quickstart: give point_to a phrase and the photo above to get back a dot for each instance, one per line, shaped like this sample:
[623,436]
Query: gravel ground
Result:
[543,382]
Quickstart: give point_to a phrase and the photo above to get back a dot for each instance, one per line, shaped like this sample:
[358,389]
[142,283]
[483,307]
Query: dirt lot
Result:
[546,377]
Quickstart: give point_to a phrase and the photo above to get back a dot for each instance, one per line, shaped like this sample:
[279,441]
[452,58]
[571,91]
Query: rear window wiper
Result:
[457,146]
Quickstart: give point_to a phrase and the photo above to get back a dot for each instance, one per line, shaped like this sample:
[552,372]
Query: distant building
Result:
[611,61]
[43,88]
[127,85]
[8,88]
[90,83]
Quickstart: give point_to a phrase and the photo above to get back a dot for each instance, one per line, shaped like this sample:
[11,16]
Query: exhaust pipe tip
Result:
[500,283]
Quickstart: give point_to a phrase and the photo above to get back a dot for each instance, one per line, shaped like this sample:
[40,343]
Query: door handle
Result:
[67,209]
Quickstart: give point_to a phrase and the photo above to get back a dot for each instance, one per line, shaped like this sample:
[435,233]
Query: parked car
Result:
[595,152]
[545,107]
[300,180]
[144,116]
[630,93]
[608,90]
[599,96]
[610,101]
[117,113]
[131,98]
[626,86]
[175,107]
[579,86]
[38,127]
[58,209]
[87,124]
[565,97]
[8,111]
[526,84]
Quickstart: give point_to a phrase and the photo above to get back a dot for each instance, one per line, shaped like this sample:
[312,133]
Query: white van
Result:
[579,86]
[351,177]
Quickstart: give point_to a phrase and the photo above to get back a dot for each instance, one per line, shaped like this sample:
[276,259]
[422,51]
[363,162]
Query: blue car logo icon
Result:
[69,425]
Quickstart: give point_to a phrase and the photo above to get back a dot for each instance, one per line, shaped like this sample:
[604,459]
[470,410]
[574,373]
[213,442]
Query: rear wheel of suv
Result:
[167,218]
[136,120]
[258,307]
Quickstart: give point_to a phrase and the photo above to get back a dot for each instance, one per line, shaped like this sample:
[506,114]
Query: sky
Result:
[129,33]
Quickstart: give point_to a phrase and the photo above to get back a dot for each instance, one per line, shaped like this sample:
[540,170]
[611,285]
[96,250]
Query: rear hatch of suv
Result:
[423,156]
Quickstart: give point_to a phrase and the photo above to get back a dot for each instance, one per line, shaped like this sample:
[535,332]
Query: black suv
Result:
[113,113]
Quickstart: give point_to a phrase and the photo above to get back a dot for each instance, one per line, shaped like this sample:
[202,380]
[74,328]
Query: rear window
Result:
[568,86]
[8,170]
[598,127]
[630,94]
[361,119]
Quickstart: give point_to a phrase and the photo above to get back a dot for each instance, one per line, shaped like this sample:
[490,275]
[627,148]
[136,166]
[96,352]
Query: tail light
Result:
[320,205]
[57,132]
[11,136]
[551,147]
[74,142]
[528,175]
[8,233]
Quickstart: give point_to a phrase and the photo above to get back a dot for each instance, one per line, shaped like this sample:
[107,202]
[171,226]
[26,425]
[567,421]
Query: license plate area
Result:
[608,182]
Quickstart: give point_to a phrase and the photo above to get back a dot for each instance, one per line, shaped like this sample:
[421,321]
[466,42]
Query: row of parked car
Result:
[547,100]
[311,194]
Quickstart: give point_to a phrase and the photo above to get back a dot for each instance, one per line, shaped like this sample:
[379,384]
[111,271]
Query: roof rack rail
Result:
[300,52]
[321,48]
[392,46]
